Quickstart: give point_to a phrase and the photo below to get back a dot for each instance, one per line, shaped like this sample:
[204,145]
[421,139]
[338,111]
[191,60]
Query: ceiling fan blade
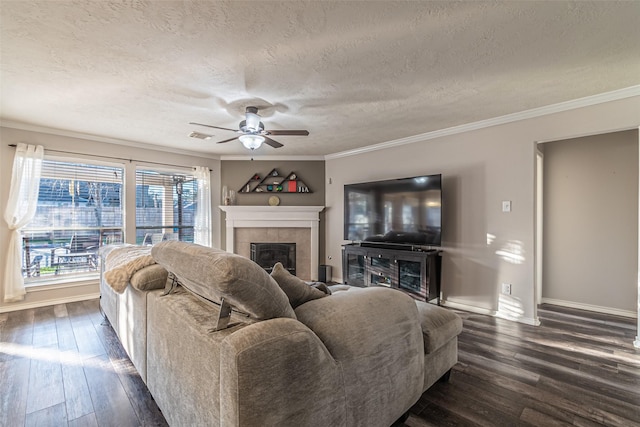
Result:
[227,140]
[289,132]
[211,126]
[271,142]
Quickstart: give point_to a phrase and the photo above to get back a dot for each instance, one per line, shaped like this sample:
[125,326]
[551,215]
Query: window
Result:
[79,209]
[165,206]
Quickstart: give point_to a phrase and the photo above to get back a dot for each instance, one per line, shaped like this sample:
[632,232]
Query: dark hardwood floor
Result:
[577,368]
[63,366]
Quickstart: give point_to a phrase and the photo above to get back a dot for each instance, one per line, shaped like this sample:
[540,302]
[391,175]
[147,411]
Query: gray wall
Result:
[591,221]
[483,246]
[235,173]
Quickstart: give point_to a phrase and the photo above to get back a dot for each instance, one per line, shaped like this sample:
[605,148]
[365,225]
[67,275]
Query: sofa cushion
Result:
[297,290]
[215,274]
[150,277]
[439,325]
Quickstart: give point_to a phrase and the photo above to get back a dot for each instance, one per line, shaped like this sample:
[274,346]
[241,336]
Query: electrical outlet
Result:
[506,288]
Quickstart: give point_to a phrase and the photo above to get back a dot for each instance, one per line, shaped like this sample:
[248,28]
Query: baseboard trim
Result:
[45,303]
[466,307]
[488,312]
[590,307]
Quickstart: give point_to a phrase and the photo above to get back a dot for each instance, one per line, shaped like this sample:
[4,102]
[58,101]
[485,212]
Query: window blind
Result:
[80,208]
[165,206]
[75,195]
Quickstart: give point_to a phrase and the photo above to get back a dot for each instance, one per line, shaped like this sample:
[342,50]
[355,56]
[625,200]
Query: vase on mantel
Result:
[228,196]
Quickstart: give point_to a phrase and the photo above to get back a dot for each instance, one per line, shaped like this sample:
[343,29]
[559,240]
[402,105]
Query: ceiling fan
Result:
[252,131]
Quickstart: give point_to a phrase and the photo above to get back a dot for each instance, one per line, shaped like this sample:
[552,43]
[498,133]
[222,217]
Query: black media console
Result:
[412,269]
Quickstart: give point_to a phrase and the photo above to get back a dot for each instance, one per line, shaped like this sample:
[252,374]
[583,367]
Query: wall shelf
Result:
[274,182]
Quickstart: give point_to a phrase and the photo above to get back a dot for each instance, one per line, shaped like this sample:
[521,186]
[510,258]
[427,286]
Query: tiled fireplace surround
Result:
[276,224]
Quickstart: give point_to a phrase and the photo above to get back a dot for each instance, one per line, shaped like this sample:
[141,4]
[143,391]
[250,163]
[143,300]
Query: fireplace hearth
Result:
[266,255]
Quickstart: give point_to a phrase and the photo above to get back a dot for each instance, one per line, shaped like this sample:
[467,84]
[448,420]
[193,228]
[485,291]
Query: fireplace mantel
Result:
[276,217]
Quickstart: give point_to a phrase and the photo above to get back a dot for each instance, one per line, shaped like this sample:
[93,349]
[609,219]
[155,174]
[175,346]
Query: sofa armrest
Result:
[277,372]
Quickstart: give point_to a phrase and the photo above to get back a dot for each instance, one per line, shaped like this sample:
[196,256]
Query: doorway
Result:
[586,223]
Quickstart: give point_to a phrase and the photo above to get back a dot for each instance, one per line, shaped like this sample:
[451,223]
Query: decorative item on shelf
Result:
[274,201]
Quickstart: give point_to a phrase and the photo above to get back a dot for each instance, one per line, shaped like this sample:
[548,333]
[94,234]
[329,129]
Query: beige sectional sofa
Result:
[358,357]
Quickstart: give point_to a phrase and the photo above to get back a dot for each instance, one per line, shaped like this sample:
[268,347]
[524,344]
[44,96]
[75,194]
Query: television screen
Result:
[406,211]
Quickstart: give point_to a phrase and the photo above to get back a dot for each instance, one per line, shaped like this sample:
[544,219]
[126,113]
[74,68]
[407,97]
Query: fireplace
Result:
[266,255]
[276,224]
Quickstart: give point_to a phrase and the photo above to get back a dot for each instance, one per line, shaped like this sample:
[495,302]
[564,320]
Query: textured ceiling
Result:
[352,73]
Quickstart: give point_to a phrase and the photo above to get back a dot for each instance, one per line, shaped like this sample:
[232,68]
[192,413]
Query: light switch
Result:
[506,206]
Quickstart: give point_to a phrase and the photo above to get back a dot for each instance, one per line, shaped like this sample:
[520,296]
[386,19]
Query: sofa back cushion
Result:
[215,274]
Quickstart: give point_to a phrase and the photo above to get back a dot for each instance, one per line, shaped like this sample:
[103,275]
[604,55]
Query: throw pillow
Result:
[215,274]
[320,285]
[149,278]
[297,290]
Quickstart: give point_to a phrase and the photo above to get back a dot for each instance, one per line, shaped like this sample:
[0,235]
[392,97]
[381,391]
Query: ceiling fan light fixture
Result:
[251,142]
[252,131]
[252,122]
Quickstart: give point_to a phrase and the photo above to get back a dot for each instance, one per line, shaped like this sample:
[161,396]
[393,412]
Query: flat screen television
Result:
[400,211]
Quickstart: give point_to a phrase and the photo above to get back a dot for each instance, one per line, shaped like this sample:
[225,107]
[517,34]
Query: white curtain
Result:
[21,208]
[202,226]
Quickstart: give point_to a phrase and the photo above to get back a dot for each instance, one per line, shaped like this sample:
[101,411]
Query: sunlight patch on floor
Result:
[66,357]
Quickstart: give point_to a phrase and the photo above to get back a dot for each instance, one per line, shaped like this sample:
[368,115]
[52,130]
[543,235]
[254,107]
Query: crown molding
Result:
[509,118]
[274,158]
[116,141]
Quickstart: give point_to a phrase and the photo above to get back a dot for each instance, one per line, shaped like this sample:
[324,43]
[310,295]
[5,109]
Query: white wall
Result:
[483,246]
[71,291]
[591,222]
